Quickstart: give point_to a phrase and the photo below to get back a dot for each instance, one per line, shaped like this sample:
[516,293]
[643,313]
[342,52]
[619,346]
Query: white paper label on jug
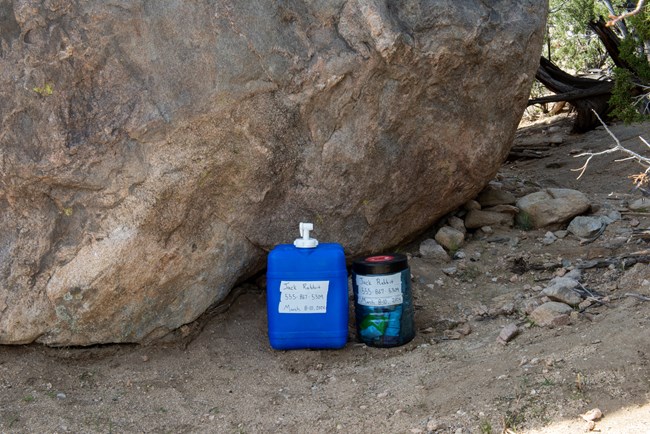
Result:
[380,290]
[303,296]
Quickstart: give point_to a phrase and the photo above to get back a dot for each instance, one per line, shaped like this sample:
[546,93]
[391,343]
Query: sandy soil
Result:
[220,375]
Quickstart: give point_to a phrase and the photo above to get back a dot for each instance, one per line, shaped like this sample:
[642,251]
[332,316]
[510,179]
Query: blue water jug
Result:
[307,294]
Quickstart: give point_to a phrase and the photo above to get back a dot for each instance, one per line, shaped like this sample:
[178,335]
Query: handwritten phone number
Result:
[302,297]
[380,291]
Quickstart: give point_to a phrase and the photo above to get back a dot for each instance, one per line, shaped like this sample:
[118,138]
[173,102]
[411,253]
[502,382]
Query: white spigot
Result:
[305,242]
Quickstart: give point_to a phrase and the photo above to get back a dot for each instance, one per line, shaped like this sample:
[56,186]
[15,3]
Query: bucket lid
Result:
[381,264]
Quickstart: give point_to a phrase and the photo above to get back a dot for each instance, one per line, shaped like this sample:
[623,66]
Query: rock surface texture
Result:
[151,153]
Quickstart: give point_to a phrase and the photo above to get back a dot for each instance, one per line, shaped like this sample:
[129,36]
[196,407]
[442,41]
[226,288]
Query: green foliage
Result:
[622,103]
[486,427]
[570,43]
[575,48]
[633,46]
[524,221]
[46,90]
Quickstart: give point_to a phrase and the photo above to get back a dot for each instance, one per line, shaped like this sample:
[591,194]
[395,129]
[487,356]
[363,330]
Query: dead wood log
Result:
[587,95]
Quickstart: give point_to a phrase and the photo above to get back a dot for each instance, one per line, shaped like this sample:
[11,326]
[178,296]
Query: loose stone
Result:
[553,205]
[508,333]
[551,313]
[449,238]
[429,248]
[586,227]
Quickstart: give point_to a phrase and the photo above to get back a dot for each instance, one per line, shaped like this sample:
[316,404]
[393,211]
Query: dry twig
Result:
[638,296]
[613,19]
[644,161]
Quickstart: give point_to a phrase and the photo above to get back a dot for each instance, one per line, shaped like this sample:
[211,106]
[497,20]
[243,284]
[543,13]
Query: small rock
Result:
[552,205]
[478,218]
[457,223]
[561,289]
[575,274]
[491,196]
[481,310]
[453,335]
[530,305]
[464,329]
[450,271]
[584,304]
[612,216]
[591,425]
[561,233]
[431,249]
[459,255]
[593,414]
[383,394]
[508,333]
[472,204]
[642,204]
[634,223]
[586,227]
[551,313]
[507,309]
[449,238]
[487,229]
[61,395]
[433,425]
[549,238]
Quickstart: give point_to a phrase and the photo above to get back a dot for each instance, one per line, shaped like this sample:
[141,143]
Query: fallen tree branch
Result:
[626,261]
[604,89]
[638,296]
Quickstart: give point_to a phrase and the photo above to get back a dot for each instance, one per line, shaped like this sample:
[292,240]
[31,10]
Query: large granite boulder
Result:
[151,153]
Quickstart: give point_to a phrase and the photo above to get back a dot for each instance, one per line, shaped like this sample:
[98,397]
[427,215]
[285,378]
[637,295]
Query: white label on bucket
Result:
[384,290]
[303,296]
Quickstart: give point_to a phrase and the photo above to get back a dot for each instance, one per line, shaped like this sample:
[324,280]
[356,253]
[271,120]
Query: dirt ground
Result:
[223,377]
